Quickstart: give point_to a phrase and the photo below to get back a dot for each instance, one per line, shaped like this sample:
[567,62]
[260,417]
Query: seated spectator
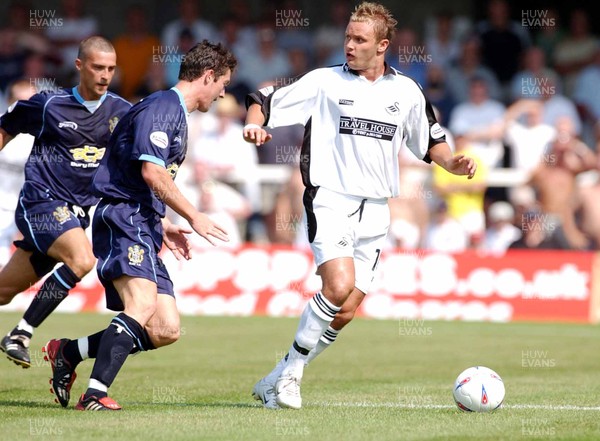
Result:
[480,121]
[501,232]
[540,231]
[557,106]
[502,42]
[443,45]
[135,49]
[75,27]
[172,60]
[407,55]
[467,67]
[444,233]
[154,80]
[587,97]
[576,50]
[464,197]
[535,75]
[548,37]
[329,36]
[188,18]
[438,92]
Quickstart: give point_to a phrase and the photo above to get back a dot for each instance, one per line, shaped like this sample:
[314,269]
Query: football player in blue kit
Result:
[71,129]
[135,183]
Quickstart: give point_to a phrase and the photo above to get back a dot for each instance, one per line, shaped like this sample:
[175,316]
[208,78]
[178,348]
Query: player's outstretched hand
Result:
[255,134]
[462,165]
[174,239]
[206,228]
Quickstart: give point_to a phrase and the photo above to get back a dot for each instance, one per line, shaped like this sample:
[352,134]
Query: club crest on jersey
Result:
[62,214]
[112,123]
[394,109]
[135,254]
[67,125]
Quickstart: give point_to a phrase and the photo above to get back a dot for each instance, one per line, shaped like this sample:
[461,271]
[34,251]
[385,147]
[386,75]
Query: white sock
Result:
[324,342]
[82,345]
[316,317]
[24,326]
[272,377]
[95,384]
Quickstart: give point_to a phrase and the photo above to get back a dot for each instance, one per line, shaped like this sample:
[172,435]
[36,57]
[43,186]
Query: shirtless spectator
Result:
[555,180]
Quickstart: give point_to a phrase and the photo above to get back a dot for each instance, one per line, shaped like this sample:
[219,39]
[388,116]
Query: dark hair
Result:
[205,56]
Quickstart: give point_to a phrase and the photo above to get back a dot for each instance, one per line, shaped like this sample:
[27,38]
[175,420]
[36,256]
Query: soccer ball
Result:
[478,389]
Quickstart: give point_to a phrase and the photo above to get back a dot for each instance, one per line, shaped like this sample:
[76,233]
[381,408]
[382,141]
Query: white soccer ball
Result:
[478,389]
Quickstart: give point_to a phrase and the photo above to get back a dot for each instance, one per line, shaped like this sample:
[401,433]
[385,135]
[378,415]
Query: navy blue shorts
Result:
[41,220]
[127,238]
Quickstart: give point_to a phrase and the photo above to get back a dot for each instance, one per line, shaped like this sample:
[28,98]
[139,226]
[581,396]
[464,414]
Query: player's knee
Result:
[84,265]
[338,290]
[342,318]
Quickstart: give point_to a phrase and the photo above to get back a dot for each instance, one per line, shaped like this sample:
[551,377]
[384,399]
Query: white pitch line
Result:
[448,406]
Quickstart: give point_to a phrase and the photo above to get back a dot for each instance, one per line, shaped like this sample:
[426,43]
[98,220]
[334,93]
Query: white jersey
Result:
[354,128]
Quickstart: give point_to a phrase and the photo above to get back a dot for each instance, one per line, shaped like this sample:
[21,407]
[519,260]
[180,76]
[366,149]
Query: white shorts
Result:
[347,226]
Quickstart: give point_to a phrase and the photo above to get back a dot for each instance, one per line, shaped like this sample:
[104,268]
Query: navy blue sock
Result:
[54,290]
[116,343]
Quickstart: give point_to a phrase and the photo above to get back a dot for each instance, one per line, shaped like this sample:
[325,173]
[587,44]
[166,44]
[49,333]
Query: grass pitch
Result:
[382,380]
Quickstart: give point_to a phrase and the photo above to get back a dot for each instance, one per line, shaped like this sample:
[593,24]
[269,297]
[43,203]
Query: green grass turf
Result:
[360,389]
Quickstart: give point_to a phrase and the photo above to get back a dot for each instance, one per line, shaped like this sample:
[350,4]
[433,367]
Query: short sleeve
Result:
[25,116]
[153,129]
[422,129]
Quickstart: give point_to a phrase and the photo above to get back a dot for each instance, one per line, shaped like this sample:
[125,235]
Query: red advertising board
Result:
[278,281]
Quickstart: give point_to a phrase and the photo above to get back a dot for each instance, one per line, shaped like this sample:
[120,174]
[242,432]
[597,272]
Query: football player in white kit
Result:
[356,116]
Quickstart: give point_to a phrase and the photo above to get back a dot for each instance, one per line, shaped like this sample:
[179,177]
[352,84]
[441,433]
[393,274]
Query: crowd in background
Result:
[518,95]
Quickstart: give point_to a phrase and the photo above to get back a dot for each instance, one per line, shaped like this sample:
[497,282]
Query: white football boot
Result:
[265,392]
[287,389]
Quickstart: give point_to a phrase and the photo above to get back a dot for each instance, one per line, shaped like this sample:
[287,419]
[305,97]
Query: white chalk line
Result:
[449,406]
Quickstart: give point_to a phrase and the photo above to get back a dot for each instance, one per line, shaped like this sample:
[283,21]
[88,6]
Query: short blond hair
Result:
[384,23]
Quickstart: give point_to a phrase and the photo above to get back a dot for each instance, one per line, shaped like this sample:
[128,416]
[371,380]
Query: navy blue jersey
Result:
[154,130]
[69,143]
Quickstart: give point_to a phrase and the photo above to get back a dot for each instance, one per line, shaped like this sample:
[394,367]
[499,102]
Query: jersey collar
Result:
[181,100]
[387,71]
[80,99]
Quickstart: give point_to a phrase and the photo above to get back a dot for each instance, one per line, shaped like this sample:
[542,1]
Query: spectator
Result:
[464,198]
[557,106]
[75,28]
[527,136]
[443,46]
[135,49]
[501,232]
[231,36]
[172,60]
[555,180]
[576,50]
[467,67]
[444,233]
[297,34]
[329,36]
[408,56]
[587,97]
[267,63]
[590,208]
[154,80]
[548,37]
[437,90]
[189,19]
[480,121]
[12,165]
[535,75]
[540,232]
[502,42]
